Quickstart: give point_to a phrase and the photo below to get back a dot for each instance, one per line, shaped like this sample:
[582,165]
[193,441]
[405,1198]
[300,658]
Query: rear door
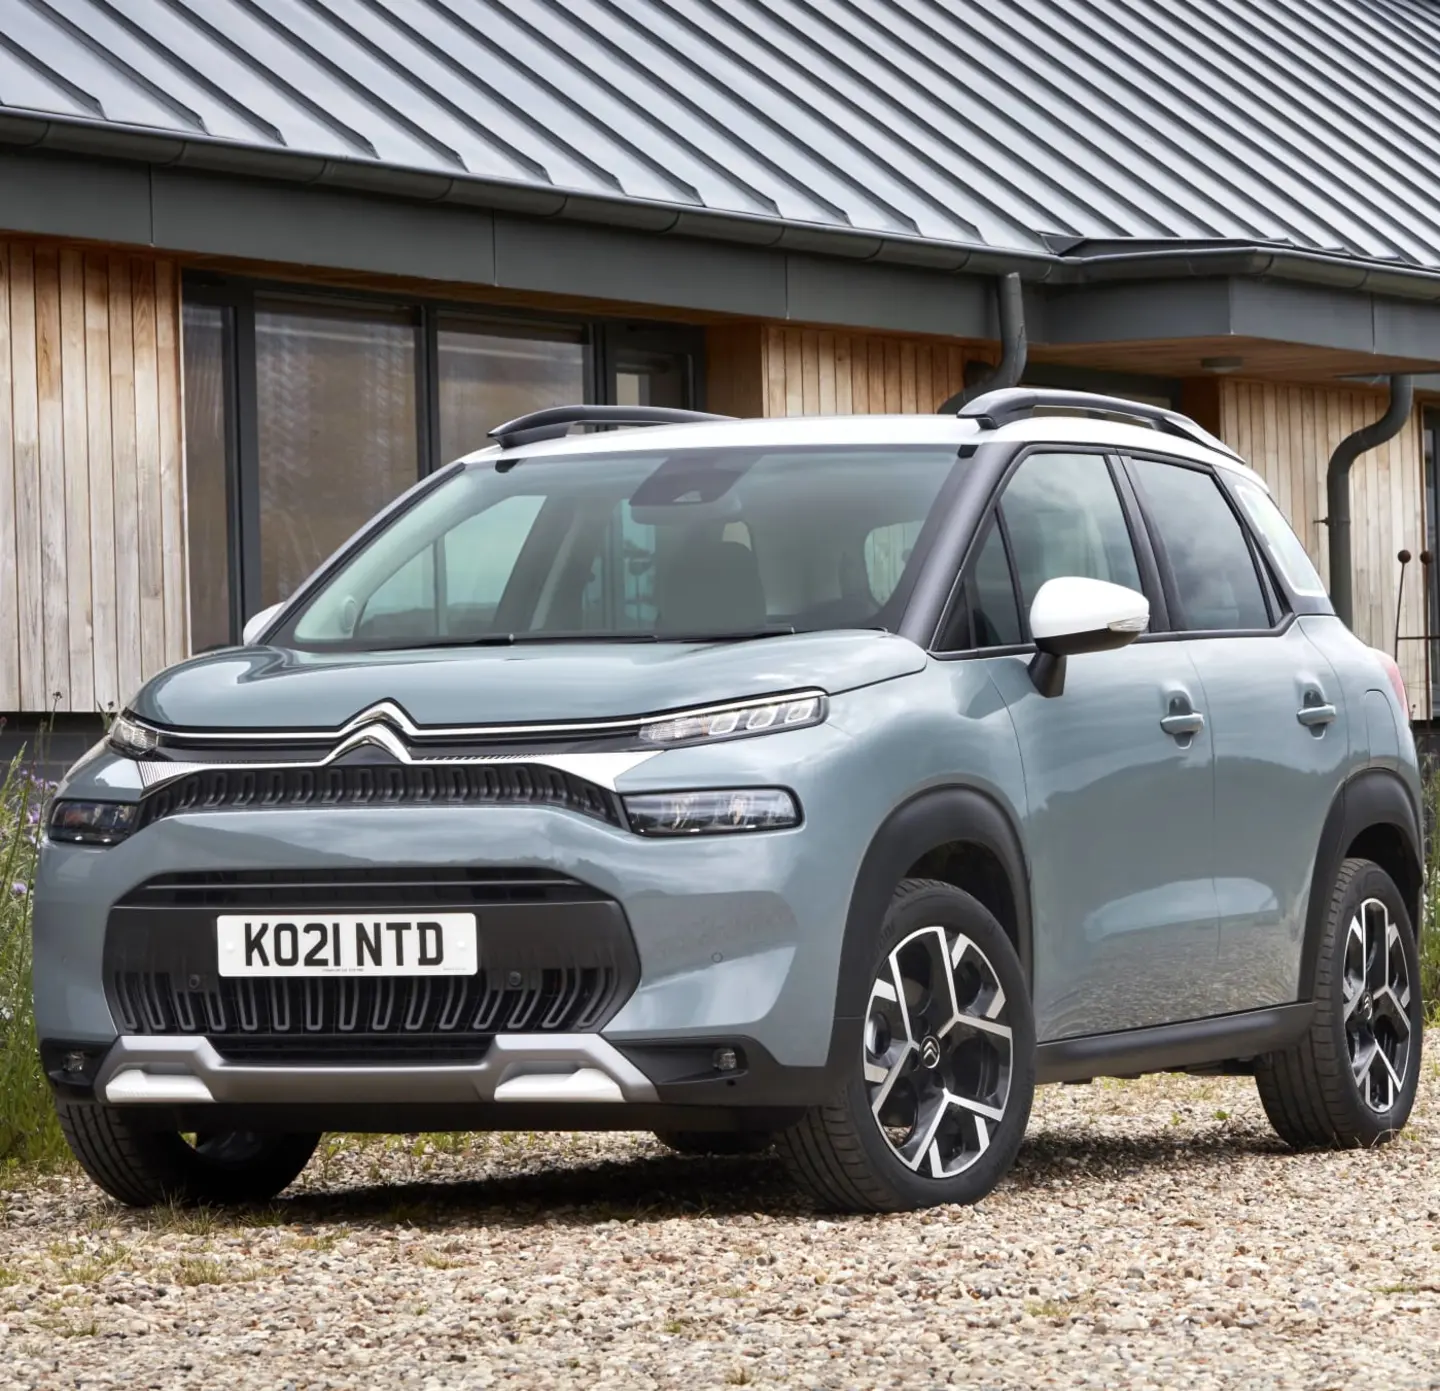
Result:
[1276,720]
[1119,819]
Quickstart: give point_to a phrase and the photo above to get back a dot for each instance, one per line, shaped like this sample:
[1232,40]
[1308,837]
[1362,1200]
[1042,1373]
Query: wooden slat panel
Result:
[9,570]
[147,450]
[78,615]
[174,567]
[844,386]
[810,371]
[101,459]
[54,584]
[774,371]
[825,372]
[25,422]
[794,374]
[127,490]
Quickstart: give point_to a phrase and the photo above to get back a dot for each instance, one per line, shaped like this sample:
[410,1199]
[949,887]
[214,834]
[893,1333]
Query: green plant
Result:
[28,1132]
[1430,907]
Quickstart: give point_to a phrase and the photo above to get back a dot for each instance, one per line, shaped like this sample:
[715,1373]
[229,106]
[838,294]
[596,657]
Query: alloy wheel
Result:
[1376,988]
[938,1051]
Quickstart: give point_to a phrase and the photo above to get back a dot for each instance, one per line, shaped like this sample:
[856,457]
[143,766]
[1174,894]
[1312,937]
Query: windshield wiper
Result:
[517,639]
[739,635]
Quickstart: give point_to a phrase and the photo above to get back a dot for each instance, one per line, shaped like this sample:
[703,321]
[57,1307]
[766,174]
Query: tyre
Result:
[942,1067]
[1351,1079]
[142,1167]
[716,1141]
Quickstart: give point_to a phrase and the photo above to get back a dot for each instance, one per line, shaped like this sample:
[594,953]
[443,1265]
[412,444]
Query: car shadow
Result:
[653,1188]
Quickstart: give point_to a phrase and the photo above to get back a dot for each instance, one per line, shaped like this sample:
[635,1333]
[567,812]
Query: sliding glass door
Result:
[307,413]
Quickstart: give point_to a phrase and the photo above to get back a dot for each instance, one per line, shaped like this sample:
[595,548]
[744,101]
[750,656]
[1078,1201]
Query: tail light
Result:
[1397,681]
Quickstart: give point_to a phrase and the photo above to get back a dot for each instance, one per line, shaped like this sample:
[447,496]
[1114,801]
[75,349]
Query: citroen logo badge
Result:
[930,1051]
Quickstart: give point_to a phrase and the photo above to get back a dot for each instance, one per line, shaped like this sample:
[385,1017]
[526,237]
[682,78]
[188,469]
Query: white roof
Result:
[781,431]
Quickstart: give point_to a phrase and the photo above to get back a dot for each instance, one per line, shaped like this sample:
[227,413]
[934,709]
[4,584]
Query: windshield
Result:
[696,544]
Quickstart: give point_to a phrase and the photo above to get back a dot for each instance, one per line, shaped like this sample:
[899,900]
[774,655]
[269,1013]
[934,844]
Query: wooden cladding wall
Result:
[1288,433]
[815,372]
[92,538]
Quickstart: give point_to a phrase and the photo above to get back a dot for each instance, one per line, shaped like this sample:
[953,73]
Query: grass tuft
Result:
[28,1132]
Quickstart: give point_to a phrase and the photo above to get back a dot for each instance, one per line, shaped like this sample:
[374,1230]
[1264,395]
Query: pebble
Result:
[1153,1234]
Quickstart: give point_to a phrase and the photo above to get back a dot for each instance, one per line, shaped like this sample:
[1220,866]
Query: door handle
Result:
[1183,723]
[1315,716]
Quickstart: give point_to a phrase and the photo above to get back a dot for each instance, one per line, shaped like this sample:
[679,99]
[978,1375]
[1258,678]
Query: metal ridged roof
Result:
[1017,124]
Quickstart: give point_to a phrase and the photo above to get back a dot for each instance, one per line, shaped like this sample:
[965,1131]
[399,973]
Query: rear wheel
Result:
[1351,1079]
[143,1167]
[717,1141]
[943,1068]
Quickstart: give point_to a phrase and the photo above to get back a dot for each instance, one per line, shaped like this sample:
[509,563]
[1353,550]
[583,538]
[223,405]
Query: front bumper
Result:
[738,943]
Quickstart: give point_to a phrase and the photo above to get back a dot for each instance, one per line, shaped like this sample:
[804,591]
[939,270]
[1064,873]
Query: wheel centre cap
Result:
[930,1051]
[1365,1010]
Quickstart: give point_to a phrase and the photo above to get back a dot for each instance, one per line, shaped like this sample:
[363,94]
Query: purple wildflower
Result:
[19,888]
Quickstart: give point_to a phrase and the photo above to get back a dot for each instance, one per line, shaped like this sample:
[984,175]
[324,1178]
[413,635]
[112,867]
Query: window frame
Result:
[606,341]
[993,515]
[1278,602]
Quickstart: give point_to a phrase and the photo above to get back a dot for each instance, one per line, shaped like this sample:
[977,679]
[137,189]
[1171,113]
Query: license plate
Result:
[312,944]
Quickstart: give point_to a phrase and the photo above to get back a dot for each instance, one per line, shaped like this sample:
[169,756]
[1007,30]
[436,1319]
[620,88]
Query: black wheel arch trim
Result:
[1372,797]
[930,819]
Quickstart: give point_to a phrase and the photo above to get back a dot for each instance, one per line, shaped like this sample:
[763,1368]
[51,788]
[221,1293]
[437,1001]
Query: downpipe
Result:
[1337,489]
[1013,348]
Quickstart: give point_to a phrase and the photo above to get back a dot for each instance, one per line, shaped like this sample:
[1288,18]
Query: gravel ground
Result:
[1153,1234]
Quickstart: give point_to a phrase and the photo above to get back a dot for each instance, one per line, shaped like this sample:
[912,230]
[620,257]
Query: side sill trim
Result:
[1191,1044]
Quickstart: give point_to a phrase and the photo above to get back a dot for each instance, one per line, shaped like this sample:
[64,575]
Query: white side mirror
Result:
[1071,615]
[256,624]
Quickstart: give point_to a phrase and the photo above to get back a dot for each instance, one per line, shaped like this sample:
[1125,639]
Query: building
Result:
[264,262]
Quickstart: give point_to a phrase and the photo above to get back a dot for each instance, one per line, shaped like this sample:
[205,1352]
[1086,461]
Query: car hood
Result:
[275,688]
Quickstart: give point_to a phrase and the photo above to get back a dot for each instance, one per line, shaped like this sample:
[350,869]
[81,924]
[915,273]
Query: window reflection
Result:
[207,347]
[490,375]
[337,426]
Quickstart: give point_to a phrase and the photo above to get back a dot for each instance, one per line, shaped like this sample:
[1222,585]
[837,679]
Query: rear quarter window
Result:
[1281,543]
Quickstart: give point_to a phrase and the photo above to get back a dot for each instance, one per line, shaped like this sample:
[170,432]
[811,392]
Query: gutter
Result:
[113,140]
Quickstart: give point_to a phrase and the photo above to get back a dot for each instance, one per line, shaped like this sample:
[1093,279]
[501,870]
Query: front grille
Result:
[555,956]
[379,785]
[462,886]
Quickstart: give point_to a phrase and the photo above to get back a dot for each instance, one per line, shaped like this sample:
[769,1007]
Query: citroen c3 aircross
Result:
[823,784]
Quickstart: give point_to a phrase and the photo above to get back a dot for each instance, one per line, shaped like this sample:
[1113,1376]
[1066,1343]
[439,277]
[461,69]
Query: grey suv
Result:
[823,783]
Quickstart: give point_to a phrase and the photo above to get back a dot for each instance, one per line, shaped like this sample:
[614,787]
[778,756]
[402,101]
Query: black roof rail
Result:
[555,421]
[997,408]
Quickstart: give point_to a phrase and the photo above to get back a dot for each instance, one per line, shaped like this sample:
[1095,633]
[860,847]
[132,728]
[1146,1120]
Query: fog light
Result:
[73,1062]
[725,1060]
[92,823]
[712,813]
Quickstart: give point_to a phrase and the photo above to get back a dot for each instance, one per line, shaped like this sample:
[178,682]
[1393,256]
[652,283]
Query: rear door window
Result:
[1212,574]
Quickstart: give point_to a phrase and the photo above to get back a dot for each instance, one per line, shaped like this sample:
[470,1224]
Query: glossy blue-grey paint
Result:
[267,688]
[1167,880]
[741,934]
[1118,826]
[1274,782]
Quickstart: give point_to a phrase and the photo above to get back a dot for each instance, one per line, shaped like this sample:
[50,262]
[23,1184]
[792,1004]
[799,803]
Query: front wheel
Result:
[1351,1078]
[143,1167]
[942,1072]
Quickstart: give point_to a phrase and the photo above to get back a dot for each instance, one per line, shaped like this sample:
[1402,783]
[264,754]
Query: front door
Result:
[1117,771]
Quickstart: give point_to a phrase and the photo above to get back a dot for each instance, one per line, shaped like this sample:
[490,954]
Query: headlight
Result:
[92,823]
[712,813]
[768,715]
[128,736]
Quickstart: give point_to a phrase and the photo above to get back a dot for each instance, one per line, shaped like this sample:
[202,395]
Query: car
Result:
[815,784]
